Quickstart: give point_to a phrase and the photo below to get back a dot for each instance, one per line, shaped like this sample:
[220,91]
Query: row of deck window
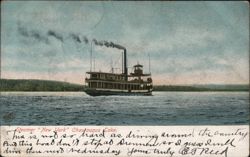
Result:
[116,77]
[105,76]
[116,86]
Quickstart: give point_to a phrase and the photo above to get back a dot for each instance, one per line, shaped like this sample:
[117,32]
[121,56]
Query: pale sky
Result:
[188,42]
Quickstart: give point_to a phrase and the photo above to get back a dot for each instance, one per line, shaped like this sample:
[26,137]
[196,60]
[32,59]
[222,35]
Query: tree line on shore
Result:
[37,85]
[48,85]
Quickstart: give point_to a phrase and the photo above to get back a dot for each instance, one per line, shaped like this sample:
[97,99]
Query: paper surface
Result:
[47,47]
[125,141]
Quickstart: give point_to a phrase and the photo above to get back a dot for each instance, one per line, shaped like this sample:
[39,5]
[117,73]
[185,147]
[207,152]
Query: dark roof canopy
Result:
[138,65]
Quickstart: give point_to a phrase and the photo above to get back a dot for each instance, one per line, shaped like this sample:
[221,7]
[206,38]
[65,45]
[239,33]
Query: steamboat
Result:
[123,83]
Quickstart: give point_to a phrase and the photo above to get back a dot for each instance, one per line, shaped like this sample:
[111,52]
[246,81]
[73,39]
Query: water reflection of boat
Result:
[135,83]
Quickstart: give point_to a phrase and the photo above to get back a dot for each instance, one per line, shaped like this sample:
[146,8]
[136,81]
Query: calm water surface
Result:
[164,108]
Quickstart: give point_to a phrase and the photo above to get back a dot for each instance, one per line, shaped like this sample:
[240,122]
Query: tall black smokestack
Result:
[125,65]
[113,45]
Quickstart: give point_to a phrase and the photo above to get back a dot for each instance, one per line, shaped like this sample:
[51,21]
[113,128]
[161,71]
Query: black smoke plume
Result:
[76,38]
[86,40]
[56,35]
[39,37]
[79,38]
[23,31]
[32,34]
[108,44]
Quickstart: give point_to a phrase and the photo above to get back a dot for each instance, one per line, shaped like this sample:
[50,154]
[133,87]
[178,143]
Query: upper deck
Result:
[137,76]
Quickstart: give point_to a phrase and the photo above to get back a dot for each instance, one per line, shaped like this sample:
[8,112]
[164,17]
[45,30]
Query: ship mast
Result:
[122,63]
[149,65]
[94,63]
[125,65]
[91,56]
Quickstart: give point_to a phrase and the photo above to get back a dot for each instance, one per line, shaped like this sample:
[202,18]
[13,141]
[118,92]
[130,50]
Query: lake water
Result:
[164,108]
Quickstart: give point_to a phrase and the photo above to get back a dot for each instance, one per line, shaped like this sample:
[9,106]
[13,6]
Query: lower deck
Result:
[98,87]
[118,85]
[106,92]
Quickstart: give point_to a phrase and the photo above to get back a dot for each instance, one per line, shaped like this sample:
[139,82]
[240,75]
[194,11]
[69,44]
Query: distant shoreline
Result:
[23,85]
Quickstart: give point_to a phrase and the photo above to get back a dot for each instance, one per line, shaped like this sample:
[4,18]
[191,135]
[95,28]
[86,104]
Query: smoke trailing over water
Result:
[55,34]
[108,44]
[86,40]
[23,31]
[77,38]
